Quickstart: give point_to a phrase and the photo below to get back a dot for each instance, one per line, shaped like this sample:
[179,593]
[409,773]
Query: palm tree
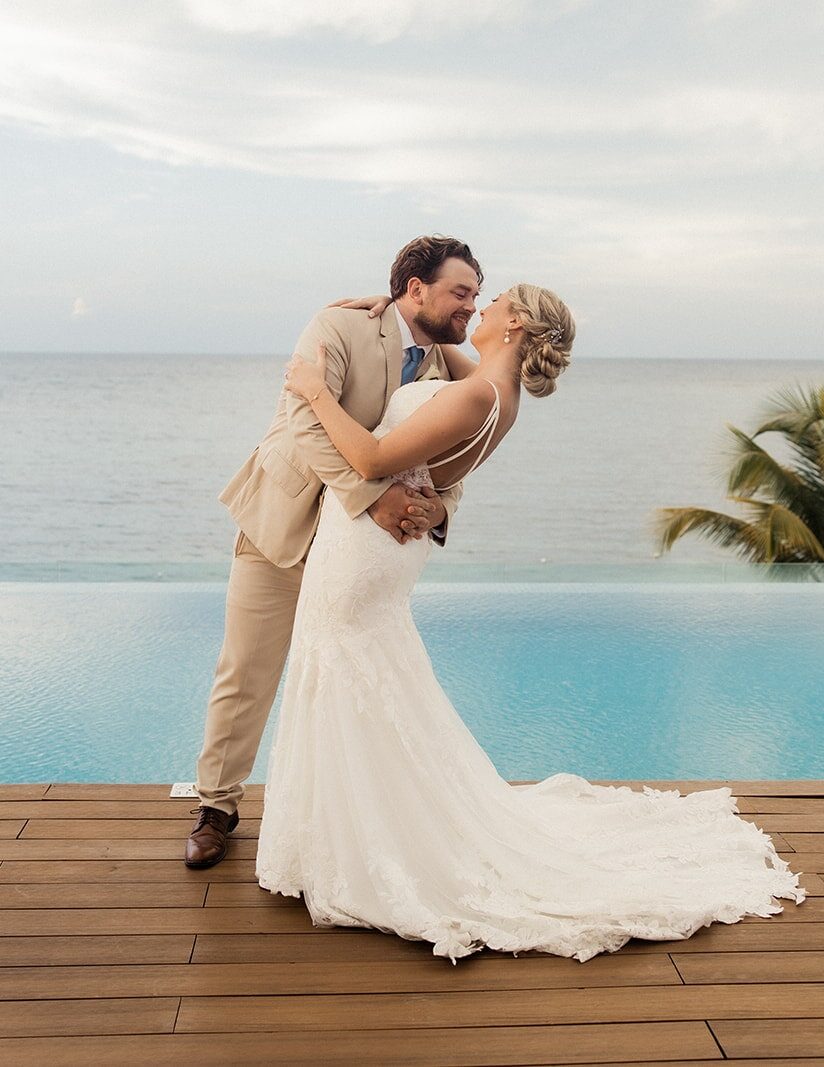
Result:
[783,504]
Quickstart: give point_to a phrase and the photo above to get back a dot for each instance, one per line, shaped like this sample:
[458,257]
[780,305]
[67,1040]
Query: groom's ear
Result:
[414,290]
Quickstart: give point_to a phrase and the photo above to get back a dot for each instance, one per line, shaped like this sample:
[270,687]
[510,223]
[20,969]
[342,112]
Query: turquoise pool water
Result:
[108,681]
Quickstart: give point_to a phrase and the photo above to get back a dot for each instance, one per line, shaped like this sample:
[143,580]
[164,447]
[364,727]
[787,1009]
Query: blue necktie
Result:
[415,354]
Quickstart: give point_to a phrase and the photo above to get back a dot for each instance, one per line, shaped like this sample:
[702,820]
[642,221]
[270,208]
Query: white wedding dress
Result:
[383,810]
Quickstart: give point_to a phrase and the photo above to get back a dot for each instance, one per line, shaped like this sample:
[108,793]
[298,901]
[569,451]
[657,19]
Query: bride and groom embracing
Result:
[380,808]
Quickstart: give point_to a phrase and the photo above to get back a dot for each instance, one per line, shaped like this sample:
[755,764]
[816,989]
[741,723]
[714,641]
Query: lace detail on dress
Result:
[402,404]
[406,402]
[383,811]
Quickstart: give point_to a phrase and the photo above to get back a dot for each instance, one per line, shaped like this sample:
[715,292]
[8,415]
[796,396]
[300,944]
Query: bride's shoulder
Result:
[474,389]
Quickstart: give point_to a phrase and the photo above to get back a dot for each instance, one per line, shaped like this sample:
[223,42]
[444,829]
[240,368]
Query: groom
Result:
[275,500]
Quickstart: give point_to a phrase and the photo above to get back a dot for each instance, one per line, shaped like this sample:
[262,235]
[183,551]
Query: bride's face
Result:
[495,318]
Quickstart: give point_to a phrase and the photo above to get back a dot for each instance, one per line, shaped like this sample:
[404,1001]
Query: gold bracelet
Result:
[312,399]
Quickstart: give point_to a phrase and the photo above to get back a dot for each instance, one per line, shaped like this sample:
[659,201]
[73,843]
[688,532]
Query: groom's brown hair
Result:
[423,257]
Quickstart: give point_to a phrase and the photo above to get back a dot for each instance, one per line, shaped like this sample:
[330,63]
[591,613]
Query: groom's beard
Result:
[450,330]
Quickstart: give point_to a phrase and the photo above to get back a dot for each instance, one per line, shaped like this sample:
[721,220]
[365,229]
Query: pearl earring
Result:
[506,336]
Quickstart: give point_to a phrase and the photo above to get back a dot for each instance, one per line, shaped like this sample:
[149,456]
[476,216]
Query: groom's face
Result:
[448,303]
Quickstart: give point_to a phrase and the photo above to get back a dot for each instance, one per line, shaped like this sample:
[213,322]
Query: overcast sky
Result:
[201,175]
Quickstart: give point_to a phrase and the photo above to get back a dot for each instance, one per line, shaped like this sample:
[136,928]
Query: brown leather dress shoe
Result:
[206,844]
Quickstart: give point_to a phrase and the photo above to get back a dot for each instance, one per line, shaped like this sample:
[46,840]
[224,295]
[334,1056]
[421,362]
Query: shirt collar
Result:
[407,340]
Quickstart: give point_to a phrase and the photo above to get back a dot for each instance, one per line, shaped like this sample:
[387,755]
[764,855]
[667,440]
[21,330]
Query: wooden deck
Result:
[113,953]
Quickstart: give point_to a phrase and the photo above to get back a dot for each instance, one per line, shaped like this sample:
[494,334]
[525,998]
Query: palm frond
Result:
[783,501]
[793,409]
[786,537]
[755,471]
[797,413]
[727,531]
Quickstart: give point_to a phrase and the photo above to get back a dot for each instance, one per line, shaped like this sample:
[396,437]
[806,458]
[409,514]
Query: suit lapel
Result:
[391,340]
[431,365]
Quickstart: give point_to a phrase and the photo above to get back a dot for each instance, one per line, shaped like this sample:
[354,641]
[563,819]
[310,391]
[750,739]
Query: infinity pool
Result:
[109,681]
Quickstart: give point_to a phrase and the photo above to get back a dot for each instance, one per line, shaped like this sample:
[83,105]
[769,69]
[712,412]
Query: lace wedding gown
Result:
[383,810]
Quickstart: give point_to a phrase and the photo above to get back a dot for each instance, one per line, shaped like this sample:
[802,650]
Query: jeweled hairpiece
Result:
[553,335]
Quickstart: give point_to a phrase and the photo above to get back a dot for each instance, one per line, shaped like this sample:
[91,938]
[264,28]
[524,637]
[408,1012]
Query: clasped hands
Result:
[404,511]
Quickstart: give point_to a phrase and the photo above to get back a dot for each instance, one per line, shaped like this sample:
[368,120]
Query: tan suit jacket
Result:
[275,496]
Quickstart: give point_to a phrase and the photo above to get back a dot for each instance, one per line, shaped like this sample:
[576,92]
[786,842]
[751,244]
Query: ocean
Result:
[120,458]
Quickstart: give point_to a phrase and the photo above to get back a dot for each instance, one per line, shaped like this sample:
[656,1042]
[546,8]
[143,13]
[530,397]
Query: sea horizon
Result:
[120,457]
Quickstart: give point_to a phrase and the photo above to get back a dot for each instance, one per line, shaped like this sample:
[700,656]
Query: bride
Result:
[381,808]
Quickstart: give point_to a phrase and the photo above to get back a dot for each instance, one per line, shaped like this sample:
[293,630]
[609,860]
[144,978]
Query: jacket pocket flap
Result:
[291,480]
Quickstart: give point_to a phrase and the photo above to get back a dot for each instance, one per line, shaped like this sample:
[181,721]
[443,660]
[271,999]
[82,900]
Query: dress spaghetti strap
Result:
[489,424]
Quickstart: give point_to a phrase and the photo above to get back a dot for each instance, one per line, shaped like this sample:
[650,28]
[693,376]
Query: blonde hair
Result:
[548,333]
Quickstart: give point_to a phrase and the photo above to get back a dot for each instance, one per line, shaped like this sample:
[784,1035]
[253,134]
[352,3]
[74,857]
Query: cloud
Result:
[157,95]
[375,20]
[662,166]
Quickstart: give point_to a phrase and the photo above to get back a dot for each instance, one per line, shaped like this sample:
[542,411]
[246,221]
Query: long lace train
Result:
[383,810]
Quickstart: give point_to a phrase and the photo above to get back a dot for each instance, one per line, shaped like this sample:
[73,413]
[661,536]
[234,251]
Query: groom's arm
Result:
[356,494]
[449,498]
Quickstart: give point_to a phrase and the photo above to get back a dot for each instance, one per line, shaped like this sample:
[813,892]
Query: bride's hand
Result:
[375,305]
[306,379]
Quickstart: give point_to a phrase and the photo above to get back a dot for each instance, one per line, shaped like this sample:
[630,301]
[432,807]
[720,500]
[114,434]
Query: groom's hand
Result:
[406,512]
[438,516]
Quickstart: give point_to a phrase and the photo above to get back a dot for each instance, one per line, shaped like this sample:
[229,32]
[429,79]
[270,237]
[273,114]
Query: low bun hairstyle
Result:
[548,333]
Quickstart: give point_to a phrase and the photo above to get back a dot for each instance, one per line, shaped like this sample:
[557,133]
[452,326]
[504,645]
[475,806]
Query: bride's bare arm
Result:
[459,364]
[437,425]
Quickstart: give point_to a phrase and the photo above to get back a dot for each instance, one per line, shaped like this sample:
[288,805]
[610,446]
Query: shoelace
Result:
[208,817]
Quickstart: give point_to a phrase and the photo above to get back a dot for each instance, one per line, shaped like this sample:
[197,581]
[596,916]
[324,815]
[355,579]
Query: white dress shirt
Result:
[407,340]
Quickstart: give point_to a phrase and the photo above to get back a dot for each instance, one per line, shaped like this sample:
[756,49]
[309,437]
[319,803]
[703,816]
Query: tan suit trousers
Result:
[260,612]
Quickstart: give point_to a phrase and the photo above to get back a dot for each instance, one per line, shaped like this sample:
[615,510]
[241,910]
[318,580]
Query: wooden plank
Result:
[742,937]
[354,976]
[503,1046]
[133,871]
[814,884]
[33,1018]
[805,842]
[23,790]
[113,828]
[275,919]
[802,787]
[112,791]
[119,808]
[79,951]
[10,828]
[245,895]
[808,911]
[809,862]
[779,805]
[781,1062]
[51,922]
[769,1037]
[172,848]
[129,791]
[118,849]
[521,1007]
[73,895]
[309,948]
[726,967]
[371,944]
[112,809]
[784,824]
